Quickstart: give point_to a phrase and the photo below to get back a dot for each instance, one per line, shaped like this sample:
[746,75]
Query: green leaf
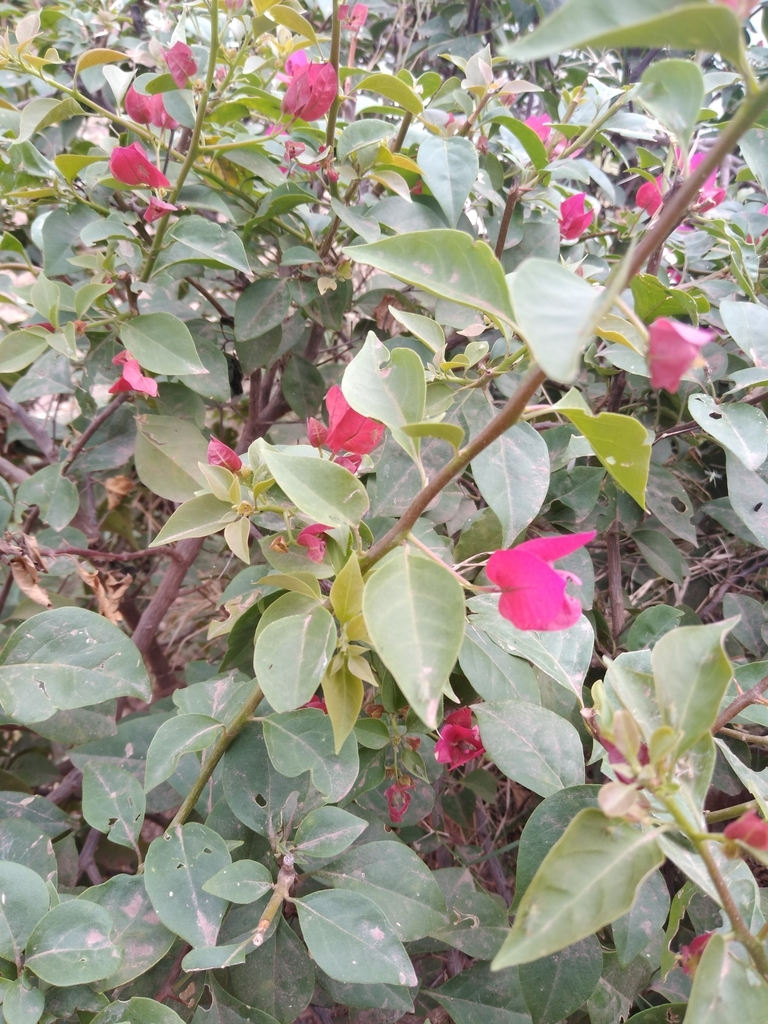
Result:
[18,349]
[351,940]
[176,737]
[167,457]
[558,984]
[42,112]
[291,19]
[477,923]
[633,931]
[621,443]
[198,517]
[23,842]
[662,555]
[209,958]
[138,931]
[303,386]
[327,832]
[72,945]
[726,987]
[162,343]
[444,263]
[22,1005]
[520,453]
[79,656]
[291,656]
[414,613]
[531,142]
[532,745]
[495,674]
[673,92]
[113,803]
[636,23]
[302,741]
[449,168]
[178,864]
[394,89]
[23,902]
[92,58]
[421,327]
[347,591]
[748,494]
[742,429]
[54,494]
[397,881]
[322,490]
[754,150]
[588,879]
[36,809]
[201,241]
[137,1010]
[478,996]
[387,386]
[245,881]
[556,312]
[261,307]
[691,672]
[344,694]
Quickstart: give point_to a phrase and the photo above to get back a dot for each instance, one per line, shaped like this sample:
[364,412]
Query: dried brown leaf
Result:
[108,587]
[26,576]
[117,488]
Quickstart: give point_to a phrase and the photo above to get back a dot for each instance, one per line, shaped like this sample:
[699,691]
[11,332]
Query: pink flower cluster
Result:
[347,431]
[649,196]
[672,349]
[312,88]
[148,109]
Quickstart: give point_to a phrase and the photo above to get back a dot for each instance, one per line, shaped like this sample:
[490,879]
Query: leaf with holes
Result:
[113,803]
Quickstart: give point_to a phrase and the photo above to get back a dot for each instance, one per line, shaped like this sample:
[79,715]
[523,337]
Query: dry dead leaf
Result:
[384,319]
[26,576]
[117,488]
[109,587]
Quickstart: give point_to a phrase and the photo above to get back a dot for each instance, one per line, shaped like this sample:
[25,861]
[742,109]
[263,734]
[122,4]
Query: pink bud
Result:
[157,209]
[138,107]
[132,166]
[181,63]
[220,454]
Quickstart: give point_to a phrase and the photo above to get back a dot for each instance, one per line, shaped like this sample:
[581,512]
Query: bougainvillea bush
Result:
[385,503]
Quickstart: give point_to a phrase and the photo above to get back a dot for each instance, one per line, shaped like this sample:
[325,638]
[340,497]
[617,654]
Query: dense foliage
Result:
[386,509]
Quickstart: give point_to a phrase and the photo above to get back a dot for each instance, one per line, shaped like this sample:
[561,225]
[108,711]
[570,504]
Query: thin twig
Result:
[68,787]
[13,473]
[91,429]
[29,522]
[740,703]
[112,556]
[38,434]
[167,991]
[506,219]
[86,863]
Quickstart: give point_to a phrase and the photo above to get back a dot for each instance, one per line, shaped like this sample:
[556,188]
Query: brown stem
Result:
[506,219]
[615,589]
[739,703]
[285,879]
[86,863]
[207,295]
[68,787]
[38,434]
[91,429]
[167,991]
[112,556]
[502,421]
[149,623]
[15,474]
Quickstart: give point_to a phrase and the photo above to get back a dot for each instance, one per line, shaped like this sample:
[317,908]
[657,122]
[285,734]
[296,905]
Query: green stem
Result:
[330,131]
[194,144]
[229,733]
[750,942]
[728,813]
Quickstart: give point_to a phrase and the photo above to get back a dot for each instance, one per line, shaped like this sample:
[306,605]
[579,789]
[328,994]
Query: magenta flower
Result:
[347,430]
[220,454]
[533,592]
[574,218]
[750,829]
[132,166]
[132,378]
[181,63]
[541,124]
[354,19]
[313,539]
[138,107]
[459,740]
[350,462]
[317,702]
[157,209]
[672,349]
[690,955]
[398,798]
[312,91]
[649,197]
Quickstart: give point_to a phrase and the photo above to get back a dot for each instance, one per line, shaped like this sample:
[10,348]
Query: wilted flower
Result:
[132,166]
[157,209]
[533,592]
[398,798]
[312,538]
[459,740]
[312,91]
[220,454]
[672,349]
[181,63]
[132,378]
[750,829]
[690,955]
[574,219]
